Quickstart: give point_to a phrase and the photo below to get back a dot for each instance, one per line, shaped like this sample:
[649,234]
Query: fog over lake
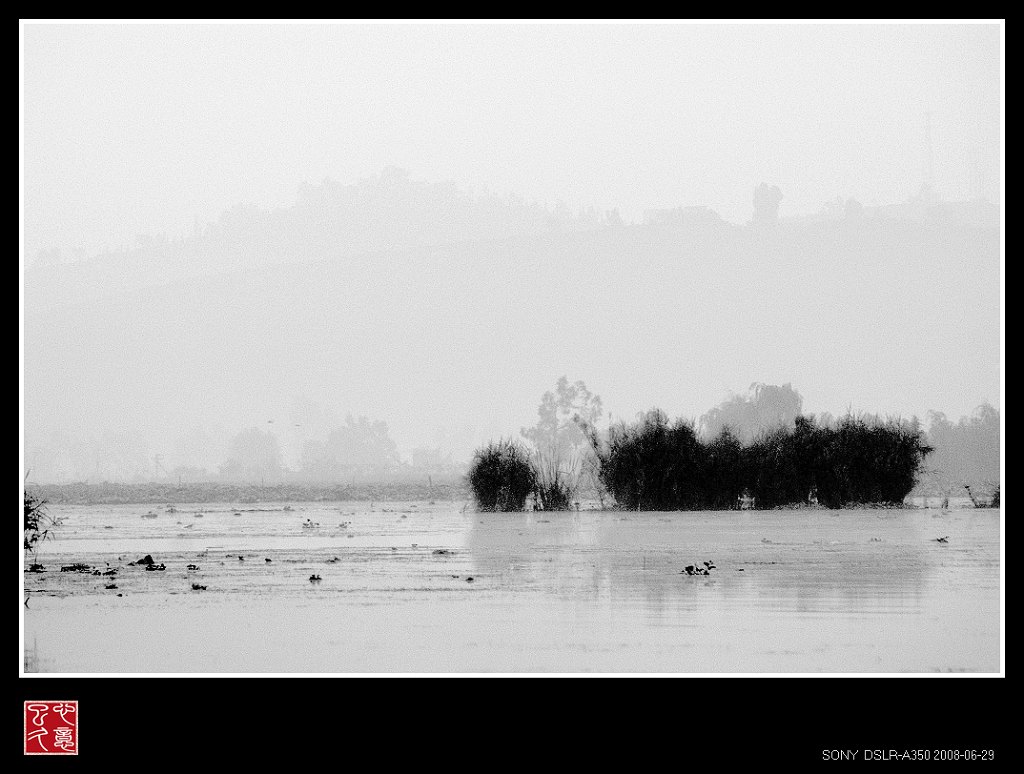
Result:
[220,233]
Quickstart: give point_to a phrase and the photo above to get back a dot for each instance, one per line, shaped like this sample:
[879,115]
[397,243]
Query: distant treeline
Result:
[966,452]
[353,451]
[153,493]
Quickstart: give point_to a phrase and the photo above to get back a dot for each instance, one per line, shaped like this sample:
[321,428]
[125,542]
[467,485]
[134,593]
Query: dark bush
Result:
[654,465]
[501,477]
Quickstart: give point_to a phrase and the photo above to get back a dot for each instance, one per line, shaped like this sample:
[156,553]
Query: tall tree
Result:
[559,418]
[255,456]
[765,407]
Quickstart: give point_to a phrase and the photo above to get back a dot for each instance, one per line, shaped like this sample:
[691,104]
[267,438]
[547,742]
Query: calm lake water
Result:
[594,591]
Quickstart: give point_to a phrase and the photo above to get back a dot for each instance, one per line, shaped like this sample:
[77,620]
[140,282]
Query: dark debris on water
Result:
[696,569]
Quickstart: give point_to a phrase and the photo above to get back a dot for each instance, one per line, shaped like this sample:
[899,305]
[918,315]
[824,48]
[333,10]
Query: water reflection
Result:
[805,561]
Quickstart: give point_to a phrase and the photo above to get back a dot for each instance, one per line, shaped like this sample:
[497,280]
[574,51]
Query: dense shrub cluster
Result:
[501,477]
[657,465]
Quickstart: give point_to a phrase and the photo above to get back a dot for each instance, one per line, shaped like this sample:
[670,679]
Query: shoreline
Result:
[243,495]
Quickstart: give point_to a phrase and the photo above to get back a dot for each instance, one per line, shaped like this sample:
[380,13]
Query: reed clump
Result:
[655,464]
[501,477]
[557,481]
[37,521]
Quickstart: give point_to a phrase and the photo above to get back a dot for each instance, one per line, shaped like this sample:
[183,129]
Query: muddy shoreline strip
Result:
[157,493]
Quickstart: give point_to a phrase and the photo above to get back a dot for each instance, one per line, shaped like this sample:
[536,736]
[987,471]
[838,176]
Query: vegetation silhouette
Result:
[967,451]
[764,407]
[36,529]
[501,477]
[557,482]
[561,455]
[37,521]
[655,464]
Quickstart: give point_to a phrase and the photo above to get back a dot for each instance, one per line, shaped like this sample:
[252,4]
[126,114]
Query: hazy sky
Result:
[140,129]
[135,130]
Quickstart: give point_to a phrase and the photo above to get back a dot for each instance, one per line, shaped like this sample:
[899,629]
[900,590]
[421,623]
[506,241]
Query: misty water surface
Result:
[793,591]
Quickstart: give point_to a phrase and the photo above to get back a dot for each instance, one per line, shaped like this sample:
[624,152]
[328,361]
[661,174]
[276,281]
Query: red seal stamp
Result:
[51,728]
